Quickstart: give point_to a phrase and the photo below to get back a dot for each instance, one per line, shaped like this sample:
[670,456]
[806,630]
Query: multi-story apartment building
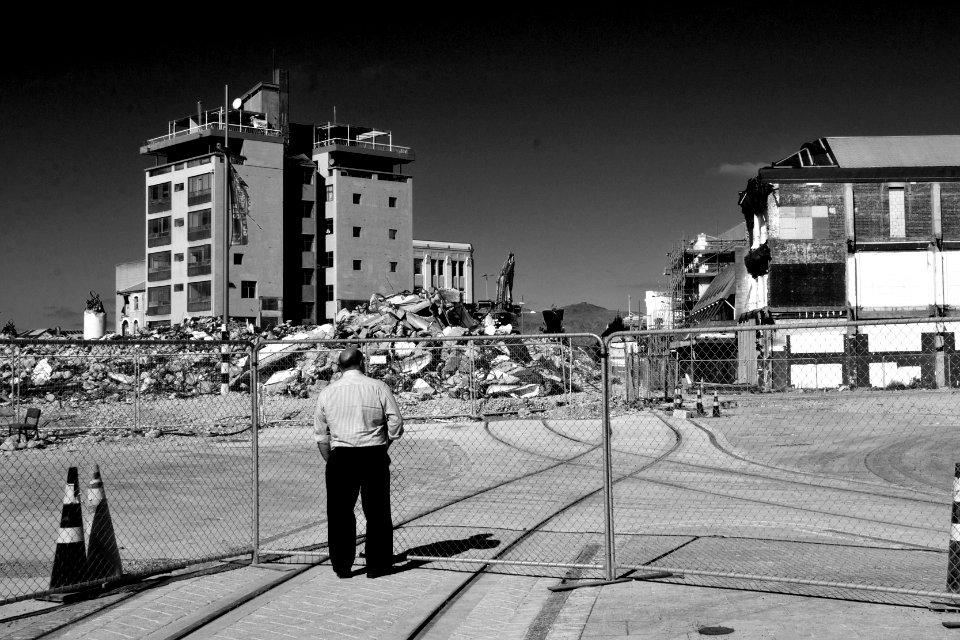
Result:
[292,221]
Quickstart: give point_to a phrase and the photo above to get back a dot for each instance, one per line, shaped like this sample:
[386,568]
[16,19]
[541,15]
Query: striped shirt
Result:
[356,411]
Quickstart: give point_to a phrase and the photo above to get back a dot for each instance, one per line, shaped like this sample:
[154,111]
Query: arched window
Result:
[124,328]
[136,327]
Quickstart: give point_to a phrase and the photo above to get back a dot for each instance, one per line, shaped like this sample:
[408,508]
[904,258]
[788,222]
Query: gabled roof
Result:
[862,152]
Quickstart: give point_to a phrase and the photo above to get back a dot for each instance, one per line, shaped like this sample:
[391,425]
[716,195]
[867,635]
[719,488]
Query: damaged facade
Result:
[321,216]
[852,228]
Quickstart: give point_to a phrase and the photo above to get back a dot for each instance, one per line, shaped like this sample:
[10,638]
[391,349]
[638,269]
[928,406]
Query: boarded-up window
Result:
[870,217]
[805,223]
[950,210]
[808,285]
[918,212]
[898,221]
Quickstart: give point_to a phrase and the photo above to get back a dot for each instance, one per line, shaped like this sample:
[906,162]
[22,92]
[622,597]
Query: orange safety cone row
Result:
[70,557]
[103,554]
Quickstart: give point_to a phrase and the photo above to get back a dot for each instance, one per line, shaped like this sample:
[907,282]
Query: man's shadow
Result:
[444,549]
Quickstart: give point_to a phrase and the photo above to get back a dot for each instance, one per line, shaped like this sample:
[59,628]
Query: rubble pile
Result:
[290,364]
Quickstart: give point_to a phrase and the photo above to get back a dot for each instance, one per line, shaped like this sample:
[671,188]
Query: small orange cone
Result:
[70,557]
[103,555]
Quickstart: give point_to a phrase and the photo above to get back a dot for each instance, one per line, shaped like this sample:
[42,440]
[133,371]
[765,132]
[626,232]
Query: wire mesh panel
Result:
[173,456]
[500,460]
[820,456]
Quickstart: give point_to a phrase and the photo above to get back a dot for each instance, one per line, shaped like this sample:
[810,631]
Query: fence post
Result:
[136,389]
[610,560]
[16,380]
[255,446]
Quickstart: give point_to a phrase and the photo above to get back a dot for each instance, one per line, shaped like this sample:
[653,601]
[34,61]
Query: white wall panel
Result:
[896,337]
[895,279]
[816,376]
[886,373]
[816,341]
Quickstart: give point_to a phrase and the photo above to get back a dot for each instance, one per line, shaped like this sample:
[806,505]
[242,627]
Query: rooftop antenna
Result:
[334,114]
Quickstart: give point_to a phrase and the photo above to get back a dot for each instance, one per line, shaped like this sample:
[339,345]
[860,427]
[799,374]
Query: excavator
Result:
[501,310]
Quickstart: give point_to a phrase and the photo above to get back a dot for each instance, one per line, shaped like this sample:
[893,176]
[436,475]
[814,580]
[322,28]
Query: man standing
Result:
[357,419]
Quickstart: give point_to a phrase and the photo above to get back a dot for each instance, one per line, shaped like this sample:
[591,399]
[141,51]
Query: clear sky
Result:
[588,147]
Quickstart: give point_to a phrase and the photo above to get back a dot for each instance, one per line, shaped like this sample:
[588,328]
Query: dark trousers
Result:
[363,472]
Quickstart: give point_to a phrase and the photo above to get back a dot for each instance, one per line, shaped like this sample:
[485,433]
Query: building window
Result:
[158,231]
[356,232]
[329,225]
[439,264]
[158,266]
[329,193]
[393,234]
[308,176]
[357,264]
[198,260]
[356,198]
[307,242]
[159,171]
[178,186]
[158,301]
[199,189]
[178,222]
[329,262]
[178,257]
[270,304]
[393,267]
[178,286]
[307,310]
[308,209]
[392,202]
[198,226]
[330,297]
[417,266]
[198,296]
[898,224]
[248,288]
[136,303]
[308,276]
[159,198]
[238,258]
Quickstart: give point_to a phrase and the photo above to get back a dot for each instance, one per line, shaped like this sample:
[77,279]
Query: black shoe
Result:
[380,572]
[344,574]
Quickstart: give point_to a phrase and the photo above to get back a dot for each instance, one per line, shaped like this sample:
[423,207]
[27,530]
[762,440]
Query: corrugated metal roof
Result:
[720,288]
[896,151]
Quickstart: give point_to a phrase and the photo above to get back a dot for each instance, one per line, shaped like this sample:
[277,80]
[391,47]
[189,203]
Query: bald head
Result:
[350,358]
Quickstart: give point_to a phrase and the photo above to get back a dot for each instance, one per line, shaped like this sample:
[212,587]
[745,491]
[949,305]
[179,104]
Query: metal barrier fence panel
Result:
[173,456]
[500,463]
[828,463]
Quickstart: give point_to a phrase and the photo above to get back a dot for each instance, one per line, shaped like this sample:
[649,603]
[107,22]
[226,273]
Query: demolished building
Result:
[853,228]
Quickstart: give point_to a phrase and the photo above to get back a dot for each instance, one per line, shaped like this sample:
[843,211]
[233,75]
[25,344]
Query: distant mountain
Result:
[584,317]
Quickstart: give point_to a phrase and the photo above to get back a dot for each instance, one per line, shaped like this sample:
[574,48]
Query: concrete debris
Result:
[292,363]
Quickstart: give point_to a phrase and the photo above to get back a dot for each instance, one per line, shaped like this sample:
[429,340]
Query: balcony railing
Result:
[158,274]
[361,144]
[198,233]
[158,239]
[158,206]
[199,305]
[198,197]
[198,268]
[159,310]
[214,126]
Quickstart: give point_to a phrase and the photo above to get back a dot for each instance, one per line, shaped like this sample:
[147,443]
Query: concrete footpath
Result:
[296,601]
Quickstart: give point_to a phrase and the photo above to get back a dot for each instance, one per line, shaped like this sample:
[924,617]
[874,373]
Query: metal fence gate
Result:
[805,457]
[827,464]
[501,462]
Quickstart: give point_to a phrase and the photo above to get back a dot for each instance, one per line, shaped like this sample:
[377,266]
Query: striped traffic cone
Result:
[953,559]
[716,404]
[103,555]
[70,557]
[700,411]
[677,398]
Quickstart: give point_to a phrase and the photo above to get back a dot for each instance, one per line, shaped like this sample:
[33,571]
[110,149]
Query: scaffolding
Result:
[693,264]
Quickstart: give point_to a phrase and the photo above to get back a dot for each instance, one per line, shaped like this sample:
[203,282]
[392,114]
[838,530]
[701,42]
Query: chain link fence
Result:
[500,463]
[173,455]
[829,465]
[805,458]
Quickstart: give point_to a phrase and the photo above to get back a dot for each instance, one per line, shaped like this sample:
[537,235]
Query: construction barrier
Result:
[828,471]
[953,555]
[103,554]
